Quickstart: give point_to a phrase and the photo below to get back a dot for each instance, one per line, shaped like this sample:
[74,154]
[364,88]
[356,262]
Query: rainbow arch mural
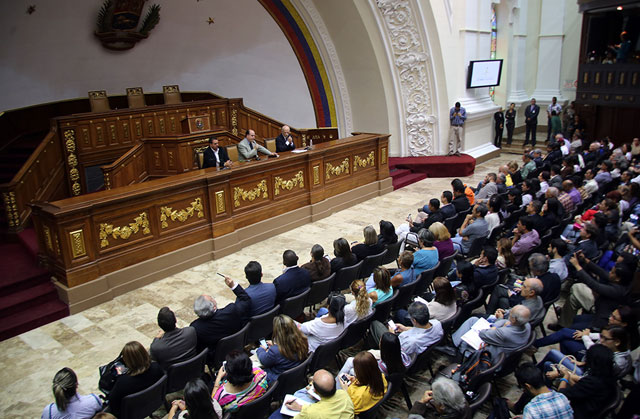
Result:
[305,48]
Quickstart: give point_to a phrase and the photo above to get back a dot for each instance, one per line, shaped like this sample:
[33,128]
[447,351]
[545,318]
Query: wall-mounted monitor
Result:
[484,73]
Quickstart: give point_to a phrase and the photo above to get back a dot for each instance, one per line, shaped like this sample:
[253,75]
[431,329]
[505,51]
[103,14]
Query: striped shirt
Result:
[550,405]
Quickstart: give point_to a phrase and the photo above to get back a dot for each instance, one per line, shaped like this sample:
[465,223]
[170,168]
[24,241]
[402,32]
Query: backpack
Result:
[478,362]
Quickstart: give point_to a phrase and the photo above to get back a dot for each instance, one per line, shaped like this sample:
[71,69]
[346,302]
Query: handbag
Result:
[560,365]
[109,373]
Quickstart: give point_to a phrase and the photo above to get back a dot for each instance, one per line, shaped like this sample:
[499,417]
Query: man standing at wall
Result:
[457,116]
[531,122]
[553,106]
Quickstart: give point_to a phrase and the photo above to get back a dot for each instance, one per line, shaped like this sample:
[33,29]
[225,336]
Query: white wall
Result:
[53,55]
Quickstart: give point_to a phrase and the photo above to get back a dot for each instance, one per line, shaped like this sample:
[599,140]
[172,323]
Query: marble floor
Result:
[95,336]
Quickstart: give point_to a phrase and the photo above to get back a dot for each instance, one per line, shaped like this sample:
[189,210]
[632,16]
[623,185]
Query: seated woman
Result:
[361,306]
[506,259]
[197,403]
[494,216]
[327,327]
[529,191]
[370,246]
[466,288]
[589,393]
[514,196]
[551,212]
[444,400]
[442,241]
[382,290]
[319,266]
[387,234]
[141,374]
[287,350]
[68,403]
[361,378]
[406,274]
[427,256]
[443,306]
[343,256]
[238,382]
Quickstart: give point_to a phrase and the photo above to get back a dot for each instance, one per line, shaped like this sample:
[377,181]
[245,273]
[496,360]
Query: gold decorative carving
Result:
[182,215]
[74,174]
[76,188]
[124,232]
[609,77]
[156,158]
[70,144]
[47,238]
[170,157]
[370,160]
[113,132]
[304,139]
[57,243]
[252,194]
[337,170]
[125,130]
[161,121]
[585,77]
[99,134]
[214,118]
[150,126]
[138,129]
[72,161]
[220,207]
[383,159]
[316,175]
[634,79]
[597,80]
[234,121]
[622,78]
[77,243]
[107,181]
[85,136]
[298,179]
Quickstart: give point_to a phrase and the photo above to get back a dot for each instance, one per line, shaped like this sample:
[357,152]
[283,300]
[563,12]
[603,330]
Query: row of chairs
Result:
[99,101]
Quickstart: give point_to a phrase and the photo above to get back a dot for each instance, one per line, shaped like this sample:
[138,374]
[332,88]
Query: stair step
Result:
[408,180]
[22,272]
[31,318]
[27,299]
[29,240]
[397,173]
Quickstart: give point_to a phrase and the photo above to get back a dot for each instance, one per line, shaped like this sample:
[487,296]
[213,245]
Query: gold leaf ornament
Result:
[124,232]
[167,213]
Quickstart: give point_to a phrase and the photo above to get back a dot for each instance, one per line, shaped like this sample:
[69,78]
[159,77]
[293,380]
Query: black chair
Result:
[447,325]
[258,408]
[422,361]
[356,331]
[480,397]
[179,374]
[143,403]
[261,326]
[424,280]
[346,276]
[292,380]
[405,292]
[228,344]
[547,305]
[399,385]
[460,219]
[370,263]
[512,360]
[482,377]
[445,265]
[546,239]
[487,289]
[383,309]
[496,233]
[612,405]
[393,250]
[325,353]
[476,247]
[320,290]
[468,307]
[294,306]
[372,412]
[450,224]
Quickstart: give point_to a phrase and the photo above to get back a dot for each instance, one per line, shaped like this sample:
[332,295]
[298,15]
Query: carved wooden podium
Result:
[193,124]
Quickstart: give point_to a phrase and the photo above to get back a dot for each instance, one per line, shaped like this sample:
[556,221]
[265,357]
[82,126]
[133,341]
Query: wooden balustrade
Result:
[87,237]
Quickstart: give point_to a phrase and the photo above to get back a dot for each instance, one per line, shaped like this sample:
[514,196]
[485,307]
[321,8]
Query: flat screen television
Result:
[484,73]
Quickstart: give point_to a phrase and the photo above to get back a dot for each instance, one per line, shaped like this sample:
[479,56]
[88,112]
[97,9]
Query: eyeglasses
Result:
[602,337]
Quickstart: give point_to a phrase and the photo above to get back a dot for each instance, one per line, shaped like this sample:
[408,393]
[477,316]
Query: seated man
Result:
[473,227]
[413,340]
[571,190]
[603,176]
[555,176]
[332,404]
[525,238]
[529,166]
[539,267]
[173,344]
[460,201]
[505,336]
[294,280]
[284,141]
[533,213]
[557,250]
[263,296]
[248,148]
[214,324]
[485,271]
[215,156]
[585,243]
[542,402]
[528,295]
[434,215]
[489,188]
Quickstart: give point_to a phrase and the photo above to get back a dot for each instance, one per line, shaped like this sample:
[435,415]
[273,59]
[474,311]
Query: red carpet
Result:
[28,299]
[407,170]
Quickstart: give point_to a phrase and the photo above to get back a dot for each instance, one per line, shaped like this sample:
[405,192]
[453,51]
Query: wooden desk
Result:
[88,237]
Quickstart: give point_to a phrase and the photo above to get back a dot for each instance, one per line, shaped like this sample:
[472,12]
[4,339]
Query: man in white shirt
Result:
[553,106]
[557,249]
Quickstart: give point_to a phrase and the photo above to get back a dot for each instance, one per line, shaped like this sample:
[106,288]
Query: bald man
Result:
[333,403]
[528,295]
[284,141]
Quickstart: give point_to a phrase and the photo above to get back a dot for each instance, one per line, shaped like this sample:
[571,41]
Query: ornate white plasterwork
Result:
[336,68]
[411,60]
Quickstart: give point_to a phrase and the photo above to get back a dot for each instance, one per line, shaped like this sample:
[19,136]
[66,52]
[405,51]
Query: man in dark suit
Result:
[215,156]
[263,295]
[498,120]
[485,271]
[460,201]
[214,324]
[173,344]
[294,280]
[435,215]
[586,243]
[531,121]
[284,141]
[447,209]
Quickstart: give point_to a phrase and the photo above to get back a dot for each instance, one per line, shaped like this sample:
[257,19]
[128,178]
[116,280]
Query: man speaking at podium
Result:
[248,148]
[215,156]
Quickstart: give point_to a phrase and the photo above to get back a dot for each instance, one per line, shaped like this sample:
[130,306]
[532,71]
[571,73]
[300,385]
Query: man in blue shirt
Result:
[263,296]
[457,116]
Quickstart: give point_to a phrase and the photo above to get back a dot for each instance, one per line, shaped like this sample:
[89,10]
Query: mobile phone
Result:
[224,365]
[344,378]
[263,342]
[392,325]
[563,237]
[220,274]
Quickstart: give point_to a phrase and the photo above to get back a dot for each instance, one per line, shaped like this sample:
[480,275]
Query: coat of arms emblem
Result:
[119,26]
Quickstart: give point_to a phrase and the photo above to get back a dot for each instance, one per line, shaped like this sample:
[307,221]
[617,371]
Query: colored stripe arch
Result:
[306,50]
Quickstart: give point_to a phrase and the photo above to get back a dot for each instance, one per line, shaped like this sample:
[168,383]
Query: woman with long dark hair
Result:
[197,403]
[287,349]
[319,266]
[443,306]
[367,385]
[343,256]
[327,327]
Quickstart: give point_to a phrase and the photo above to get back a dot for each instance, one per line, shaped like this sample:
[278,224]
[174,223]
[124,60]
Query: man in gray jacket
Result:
[173,344]
[248,148]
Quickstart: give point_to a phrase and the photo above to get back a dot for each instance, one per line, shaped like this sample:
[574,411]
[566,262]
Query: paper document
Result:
[285,410]
[472,337]
[299,150]
[421,300]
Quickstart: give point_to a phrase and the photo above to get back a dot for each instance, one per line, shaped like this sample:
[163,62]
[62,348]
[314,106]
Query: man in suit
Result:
[173,344]
[248,148]
[284,141]
[485,271]
[214,324]
[215,156]
[460,201]
[447,208]
[586,243]
[531,121]
[294,280]
[505,336]
[498,120]
[263,295]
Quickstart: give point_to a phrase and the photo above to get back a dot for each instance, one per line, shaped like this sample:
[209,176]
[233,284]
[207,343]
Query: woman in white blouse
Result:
[328,327]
